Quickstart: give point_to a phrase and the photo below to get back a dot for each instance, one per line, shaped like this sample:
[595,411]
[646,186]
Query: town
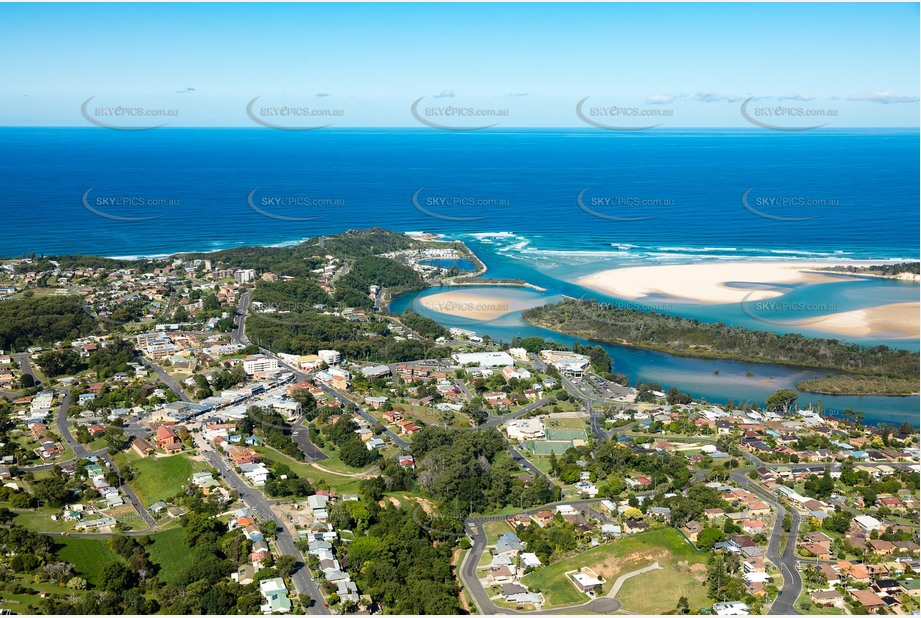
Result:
[253,432]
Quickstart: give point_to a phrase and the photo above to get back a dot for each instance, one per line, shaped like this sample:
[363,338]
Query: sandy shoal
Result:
[894,321]
[475,306]
[705,282]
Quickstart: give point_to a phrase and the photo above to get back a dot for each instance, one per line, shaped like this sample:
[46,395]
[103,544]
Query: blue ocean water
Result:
[524,182]
[542,205]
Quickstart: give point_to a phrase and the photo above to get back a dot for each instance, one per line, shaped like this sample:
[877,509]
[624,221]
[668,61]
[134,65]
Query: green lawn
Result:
[170,551]
[805,605]
[88,555]
[556,422]
[664,545]
[342,484]
[19,603]
[159,478]
[493,529]
[97,444]
[40,521]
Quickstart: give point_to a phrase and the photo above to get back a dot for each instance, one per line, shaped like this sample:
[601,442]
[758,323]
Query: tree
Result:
[782,400]
[285,564]
[683,606]
[76,583]
[708,537]
[116,578]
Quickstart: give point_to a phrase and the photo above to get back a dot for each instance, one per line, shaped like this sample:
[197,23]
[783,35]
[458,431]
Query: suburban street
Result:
[25,366]
[481,598]
[167,379]
[261,508]
[785,560]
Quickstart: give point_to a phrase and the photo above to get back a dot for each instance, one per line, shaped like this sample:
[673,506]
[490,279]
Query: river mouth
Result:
[716,381]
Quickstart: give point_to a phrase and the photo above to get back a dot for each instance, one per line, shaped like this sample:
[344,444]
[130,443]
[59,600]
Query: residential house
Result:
[275,594]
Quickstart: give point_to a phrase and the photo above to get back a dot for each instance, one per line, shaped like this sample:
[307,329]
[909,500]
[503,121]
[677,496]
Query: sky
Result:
[464,65]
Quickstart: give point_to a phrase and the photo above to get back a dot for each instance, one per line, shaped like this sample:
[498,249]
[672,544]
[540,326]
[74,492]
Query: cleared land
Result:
[170,551]
[88,555]
[683,573]
[160,478]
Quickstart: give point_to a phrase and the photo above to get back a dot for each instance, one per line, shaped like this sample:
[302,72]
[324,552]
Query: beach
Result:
[477,305]
[713,283]
[895,321]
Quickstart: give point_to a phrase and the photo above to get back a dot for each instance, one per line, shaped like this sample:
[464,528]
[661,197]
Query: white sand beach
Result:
[476,306]
[706,282]
[894,321]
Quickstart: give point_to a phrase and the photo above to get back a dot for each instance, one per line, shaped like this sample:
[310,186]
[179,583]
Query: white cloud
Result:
[886,97]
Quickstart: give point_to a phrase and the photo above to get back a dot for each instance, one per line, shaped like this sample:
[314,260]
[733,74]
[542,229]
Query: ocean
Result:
[545,206]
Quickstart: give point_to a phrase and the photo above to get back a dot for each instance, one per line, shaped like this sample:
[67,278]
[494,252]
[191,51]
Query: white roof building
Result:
[484,359]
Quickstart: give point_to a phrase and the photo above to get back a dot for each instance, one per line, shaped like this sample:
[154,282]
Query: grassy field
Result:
[159,478]
[339,482]
[665,546]
[20,603]
[88,555]
[170,551]
[40,521]
[558,422]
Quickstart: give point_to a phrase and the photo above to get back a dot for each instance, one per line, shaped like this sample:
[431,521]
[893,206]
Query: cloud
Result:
[445,94]
[516,94]
[886,97]
[793,96]
[715,97]
[186,90]
[322,94]
[661,99]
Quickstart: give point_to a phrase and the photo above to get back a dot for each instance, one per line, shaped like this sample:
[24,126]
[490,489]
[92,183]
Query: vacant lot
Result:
[683,573]
[170,551]
[88,555]
[160,478]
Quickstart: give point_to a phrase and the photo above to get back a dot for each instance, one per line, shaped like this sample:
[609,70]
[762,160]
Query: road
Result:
[25,366]
[784,560]
[261,508]
[238,335]
[167,379]
[135,501]
[63,425]
[481,597]
[301,437]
